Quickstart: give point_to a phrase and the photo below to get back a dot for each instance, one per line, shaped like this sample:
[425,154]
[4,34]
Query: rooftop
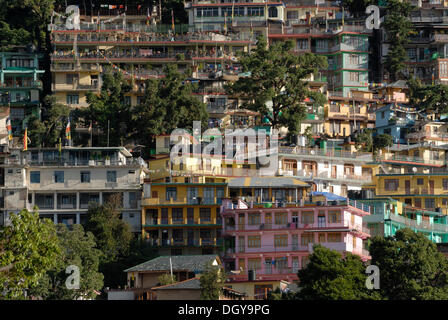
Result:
[191,263]
[190,284]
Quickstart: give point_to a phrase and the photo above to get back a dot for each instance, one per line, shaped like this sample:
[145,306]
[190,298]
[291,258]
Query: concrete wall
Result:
[121,295]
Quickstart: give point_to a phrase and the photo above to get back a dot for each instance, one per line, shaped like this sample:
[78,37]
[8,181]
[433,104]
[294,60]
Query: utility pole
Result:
[108,122]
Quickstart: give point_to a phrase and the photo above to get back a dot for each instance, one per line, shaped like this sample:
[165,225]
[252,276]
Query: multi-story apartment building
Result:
[272,244]
[328,170]
[395,120]
[388,216]
[20,87]
[62,184]
[182,217]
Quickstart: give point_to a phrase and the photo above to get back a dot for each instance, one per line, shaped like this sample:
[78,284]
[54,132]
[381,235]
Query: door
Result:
[241,221]
[321,221]
[190,237]
[295,221]
[431,186]
[268,220]
[268,265]
[334,172]
[407,186]
[190,215]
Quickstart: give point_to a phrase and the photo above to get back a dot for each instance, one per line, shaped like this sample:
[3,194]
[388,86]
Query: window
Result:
[255,12]
[72,99]
[71,78]
[334,237]
[273,12]
[430,203]
[391,184]
[420,181]
[254,219]
[280,240]
[85,176]
[292,15]
[334,216]
[354,76]
[178,214]
[111,176]
[307,217]
[254,264]
[254,242]
[445,184]
[418,202]
[35,176]
[305,239]
[59,176]
[171,193]
[281,218]
[237,11]
[205,214]
[207,12]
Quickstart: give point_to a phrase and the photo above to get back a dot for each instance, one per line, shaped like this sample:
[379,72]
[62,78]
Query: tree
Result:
[398,27]
[28,248]
[113,235]
[12,37]
[46,133]
[382,141]
[278,77]
[166,278]
[429,98]
[364,140]
[328,276]
[357,7]
[168,104]
[109,110]
[411,267]
[212,281]
[78,249]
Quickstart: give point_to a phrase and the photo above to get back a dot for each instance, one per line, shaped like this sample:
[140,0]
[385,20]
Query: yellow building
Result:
[183,218]
[419,189]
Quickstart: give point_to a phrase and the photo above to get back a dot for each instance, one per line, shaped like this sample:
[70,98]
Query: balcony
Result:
[75,87]
[23,85]
[423,225]
[179,201]
[184,242]
[331,153]
[405,158]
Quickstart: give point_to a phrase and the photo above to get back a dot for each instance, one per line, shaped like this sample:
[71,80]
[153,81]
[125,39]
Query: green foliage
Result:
[108,109]
[46,133]
[166,278]
[357,7]
[113,235]
[309,137]
[28,248]
[382,141]
[429,98]
[168,104]
[212,281]
[398,28]
[364,140]
[277,76]
[411,267]
[11,37]
[328,276]
[77,248]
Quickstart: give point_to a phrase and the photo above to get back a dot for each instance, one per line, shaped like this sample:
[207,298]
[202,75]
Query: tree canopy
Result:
[78,249]
[29,247]
[278,77]
[411,267]
[168,104]
[329,276]
[398,28]
[429,98]
[212,281]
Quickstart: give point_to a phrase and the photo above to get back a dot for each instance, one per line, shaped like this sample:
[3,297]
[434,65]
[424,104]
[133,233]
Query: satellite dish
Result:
[414,169]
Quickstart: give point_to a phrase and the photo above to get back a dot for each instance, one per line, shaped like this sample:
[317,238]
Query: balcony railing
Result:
[317,152]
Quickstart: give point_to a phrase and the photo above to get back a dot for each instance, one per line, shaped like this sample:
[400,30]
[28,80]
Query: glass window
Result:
[59,176]
[72,99]
[85,176]
[111,176]
[35,176]
[281,240]
[334,237]
[205,214]
[255,11]
[281,218]
[171,193]
[254,242]
[254,219]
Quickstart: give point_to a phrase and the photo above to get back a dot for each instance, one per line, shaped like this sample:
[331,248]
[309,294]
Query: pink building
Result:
[276,242]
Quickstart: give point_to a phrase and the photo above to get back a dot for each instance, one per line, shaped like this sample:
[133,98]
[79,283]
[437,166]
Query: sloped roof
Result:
[191,263]
[190,284]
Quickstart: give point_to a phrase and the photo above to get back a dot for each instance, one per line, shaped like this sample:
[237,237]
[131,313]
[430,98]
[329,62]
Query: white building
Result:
[63,184]
[327,170]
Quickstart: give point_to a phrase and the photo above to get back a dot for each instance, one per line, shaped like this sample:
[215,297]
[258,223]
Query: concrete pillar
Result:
[55,201]
[55,218]
[78,218]
[33,199]
[101,199]
[77,200]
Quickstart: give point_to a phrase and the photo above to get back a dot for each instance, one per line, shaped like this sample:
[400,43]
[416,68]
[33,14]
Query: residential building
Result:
[326,169]
[388,216]
[145,276]
[395,120]
[20,87]
[182,216]
[63,183]
[269,244]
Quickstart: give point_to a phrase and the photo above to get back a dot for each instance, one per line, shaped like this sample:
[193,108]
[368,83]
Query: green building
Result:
[390,215]
[20,86]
